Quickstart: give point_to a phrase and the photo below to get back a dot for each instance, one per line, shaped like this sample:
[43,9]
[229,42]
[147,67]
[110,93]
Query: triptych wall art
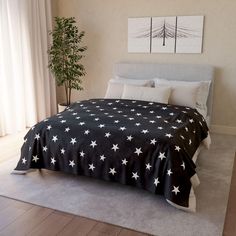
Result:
[175,34]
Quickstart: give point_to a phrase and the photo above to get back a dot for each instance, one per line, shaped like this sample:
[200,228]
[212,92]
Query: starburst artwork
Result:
[139,35]
[163,34]
[181,34]
[189,34]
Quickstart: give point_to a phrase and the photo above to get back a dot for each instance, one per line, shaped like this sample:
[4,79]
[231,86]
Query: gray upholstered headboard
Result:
[186,72]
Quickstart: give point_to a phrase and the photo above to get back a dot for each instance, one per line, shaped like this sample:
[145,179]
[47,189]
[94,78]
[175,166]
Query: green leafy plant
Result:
[65,55]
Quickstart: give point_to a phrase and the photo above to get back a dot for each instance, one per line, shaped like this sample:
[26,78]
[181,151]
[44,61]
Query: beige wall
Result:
[105,23]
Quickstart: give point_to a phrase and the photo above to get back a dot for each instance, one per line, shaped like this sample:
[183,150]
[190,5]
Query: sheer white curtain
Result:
[27,91]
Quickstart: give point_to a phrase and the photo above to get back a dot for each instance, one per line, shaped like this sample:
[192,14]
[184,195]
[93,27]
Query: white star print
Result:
[148,166]
[169,135]
[153,141]
[160,127]
[164,108]
[107,135]
[190,142]
[175,190]
[93,144]
[77,117]
[81,123]
[179,121]
[37,136]
[173,127]
[96,119]
[169,172]
[122,128]
[124,162]
[102,157]
[86,132]
[67,129]
[138,151]
[131,118]
[158,117]
[171,114]
[91,167]
[72,163]
[115,147]
[49,127]
[156,181]
[186,128]
[138,114]
[54,138]
[177,148]
[35,158]
[82,153]
[181,136]
[183,165]
[53,161]
[101,126]
[135,175]
[24,161]
[137,124]
[129,138]
[116,121]
[152,121]
[112,171]
[144,131]
[73,141]
[162,155]
[62,151]
[63,121]
[45,148]
[191,120]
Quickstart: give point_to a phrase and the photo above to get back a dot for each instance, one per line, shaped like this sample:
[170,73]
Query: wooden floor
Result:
[20,218]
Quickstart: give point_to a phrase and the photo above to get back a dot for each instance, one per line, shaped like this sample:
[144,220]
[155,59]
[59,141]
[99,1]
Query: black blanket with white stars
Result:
[144,144]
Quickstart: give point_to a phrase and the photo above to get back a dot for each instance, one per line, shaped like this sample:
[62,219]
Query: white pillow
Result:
[202,93]
[159,94]
[115,86]
[141,82]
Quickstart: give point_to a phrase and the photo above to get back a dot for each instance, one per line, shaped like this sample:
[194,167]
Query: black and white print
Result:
[139,35]
[144,144]
[163,34]
[189,34]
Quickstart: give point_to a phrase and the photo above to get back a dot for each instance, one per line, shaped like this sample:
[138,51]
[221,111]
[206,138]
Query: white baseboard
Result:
[221,129]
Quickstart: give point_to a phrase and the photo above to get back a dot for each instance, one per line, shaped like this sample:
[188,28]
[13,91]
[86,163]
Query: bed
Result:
[146,144]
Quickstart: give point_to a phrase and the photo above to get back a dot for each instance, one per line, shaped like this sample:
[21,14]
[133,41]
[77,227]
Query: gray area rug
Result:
[130,207]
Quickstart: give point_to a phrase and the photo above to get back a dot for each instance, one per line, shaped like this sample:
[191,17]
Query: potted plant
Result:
[65,54]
